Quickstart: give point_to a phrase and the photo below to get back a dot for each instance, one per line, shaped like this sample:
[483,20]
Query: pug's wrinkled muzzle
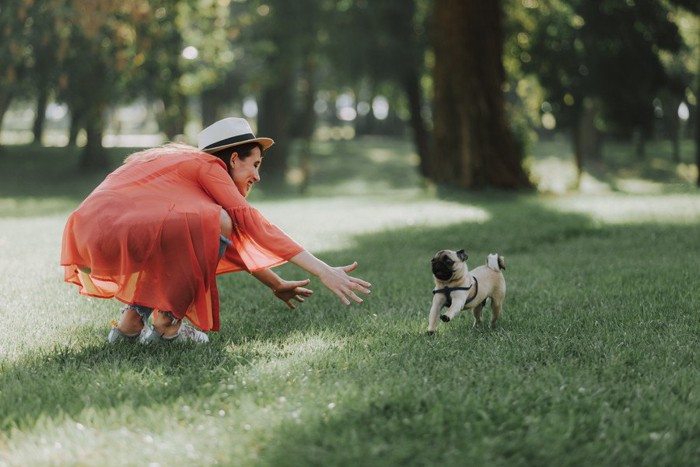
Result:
[441,270]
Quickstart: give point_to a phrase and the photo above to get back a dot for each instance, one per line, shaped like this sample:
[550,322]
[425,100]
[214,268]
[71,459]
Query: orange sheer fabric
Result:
[149,235]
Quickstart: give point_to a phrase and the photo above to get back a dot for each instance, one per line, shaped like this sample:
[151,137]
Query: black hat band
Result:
[230,141]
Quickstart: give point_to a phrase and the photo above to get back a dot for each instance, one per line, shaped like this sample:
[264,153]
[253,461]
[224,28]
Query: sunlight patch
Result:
[620,209]
[329,224]
[552,174]
[281,359]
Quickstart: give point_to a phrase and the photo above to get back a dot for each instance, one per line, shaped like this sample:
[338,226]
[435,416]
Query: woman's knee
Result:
[226,224]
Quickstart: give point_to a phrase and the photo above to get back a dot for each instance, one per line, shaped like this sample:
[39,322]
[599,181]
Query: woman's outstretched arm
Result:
[336,279]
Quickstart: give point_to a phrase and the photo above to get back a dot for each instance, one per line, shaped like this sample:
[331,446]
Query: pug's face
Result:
[446,262]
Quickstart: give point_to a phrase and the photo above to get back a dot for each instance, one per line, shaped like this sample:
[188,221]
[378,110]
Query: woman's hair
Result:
[243,151]
[160,151]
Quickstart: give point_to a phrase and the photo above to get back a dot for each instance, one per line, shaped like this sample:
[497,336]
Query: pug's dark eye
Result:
[449,262]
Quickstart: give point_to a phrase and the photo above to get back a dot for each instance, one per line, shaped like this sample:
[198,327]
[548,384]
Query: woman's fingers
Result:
[343,298]
[303,283]
[343,285]
[349,267]
[352,295]
[301,291]
[362,287]
[344,293]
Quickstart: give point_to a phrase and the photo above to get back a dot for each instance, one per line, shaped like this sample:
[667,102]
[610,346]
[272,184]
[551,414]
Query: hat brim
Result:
[264,142]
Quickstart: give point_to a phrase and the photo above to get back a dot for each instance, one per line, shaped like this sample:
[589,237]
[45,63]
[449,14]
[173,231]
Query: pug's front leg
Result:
[438,302]
[458,302]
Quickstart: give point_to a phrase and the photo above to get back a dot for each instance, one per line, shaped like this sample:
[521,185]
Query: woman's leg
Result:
[133,319]
[172,328]
[165,323]
[226,224]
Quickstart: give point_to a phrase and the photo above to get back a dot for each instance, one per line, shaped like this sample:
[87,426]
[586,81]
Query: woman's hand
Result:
[338,281]
[292,290]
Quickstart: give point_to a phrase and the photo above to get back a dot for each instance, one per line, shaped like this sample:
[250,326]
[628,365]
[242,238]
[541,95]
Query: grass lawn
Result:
[594,361]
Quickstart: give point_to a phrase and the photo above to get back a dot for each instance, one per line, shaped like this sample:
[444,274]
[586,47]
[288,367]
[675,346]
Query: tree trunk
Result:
[174,115]
[697,126]
[308,123]
[273,122]
[590,136]
[75,126]
[40,117]
[5,100]
[697,143]
[675,138]
[211,103]
[93,156]
[411,84]
[473,144]
[578,153]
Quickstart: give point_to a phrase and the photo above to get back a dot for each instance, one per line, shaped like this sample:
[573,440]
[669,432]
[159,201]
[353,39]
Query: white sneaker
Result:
[148,335]
[145,336]
[187,333]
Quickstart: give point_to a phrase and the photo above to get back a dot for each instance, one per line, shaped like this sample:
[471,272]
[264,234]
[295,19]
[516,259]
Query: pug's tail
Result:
[496,262]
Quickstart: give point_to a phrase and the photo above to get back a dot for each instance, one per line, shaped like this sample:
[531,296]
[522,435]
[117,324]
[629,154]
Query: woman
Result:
[157,231]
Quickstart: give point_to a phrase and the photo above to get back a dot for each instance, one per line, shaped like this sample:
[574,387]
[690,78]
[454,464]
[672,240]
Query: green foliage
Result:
[606,50]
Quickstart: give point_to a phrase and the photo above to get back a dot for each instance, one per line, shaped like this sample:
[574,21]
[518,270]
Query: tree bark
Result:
[421,139]
[697,127]
[474,147]
[74,129]
[211,104]
[308,123]
[40,117]
[274,122]
[93,156]
[697,143]
[174,115]
[5,101]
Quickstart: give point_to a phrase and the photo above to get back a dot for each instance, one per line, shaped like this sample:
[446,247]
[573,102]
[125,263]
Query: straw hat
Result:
[229,132]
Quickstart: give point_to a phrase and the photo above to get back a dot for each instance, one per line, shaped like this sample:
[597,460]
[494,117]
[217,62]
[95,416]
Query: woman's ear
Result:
[234,158]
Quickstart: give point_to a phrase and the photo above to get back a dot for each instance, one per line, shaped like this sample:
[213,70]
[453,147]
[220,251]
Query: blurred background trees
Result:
[472,83]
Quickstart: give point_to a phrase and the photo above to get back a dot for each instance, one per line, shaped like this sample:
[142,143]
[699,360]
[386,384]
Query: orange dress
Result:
[149,235]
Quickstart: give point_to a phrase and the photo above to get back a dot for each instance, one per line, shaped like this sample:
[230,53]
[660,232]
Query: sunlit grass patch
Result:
[625,209]
[323,224]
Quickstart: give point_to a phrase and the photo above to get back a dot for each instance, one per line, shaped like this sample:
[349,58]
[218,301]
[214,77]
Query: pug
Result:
[457,288]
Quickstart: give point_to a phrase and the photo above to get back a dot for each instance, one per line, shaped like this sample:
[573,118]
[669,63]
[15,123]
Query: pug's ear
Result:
[462,255]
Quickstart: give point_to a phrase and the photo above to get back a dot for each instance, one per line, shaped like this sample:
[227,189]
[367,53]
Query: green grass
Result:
[594,361]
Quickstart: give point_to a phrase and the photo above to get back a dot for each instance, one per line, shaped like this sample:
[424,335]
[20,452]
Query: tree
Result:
[290,30]
[263,49]
[601,58]
[474,147]
[383,43]
[157,66]
[96,41]
[16,37]
[694,7]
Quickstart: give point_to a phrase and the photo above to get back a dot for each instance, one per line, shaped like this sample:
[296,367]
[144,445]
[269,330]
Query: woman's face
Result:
[245,172]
